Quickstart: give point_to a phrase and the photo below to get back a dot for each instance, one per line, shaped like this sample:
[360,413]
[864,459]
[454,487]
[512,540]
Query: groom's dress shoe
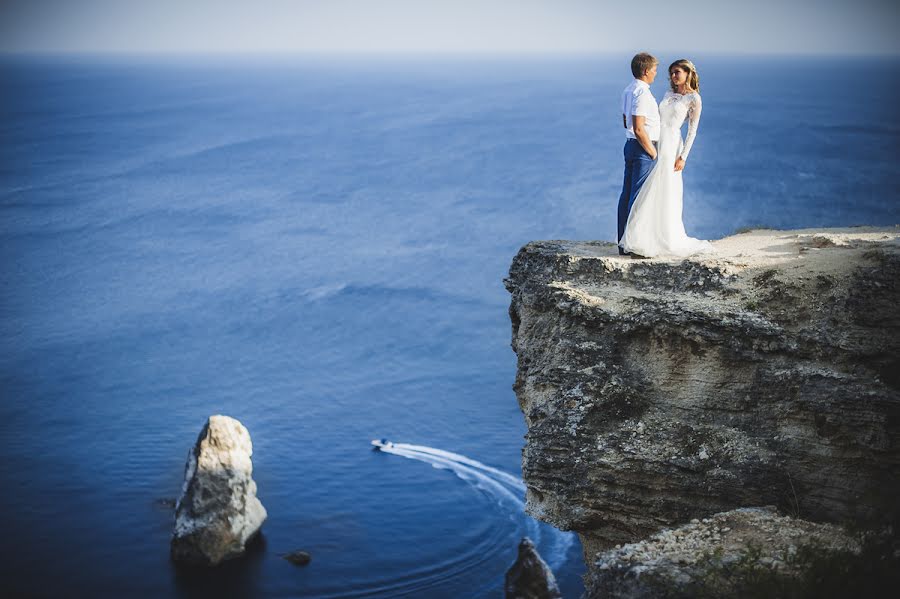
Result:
[638,256]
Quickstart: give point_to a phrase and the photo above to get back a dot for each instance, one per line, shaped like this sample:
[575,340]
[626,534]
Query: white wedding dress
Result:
[654,224]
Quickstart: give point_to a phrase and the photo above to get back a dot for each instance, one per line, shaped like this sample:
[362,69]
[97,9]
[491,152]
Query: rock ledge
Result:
[659,391]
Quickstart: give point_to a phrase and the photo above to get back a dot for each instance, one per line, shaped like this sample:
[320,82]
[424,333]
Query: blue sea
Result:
[316,247]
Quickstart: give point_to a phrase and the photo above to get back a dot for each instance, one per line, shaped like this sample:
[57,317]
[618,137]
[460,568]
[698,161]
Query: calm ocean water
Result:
[317,248]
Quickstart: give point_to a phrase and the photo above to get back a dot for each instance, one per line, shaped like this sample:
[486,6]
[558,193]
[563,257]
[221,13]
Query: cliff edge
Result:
[664,390]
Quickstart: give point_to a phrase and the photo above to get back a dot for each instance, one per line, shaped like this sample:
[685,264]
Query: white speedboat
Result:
[381,443]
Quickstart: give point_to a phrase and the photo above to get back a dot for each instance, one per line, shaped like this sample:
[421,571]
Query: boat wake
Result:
[505,489]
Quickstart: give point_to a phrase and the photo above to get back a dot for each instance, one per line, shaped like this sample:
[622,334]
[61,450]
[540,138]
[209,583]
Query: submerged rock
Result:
[530,577]
[661,390]
[218,511]
[299,558]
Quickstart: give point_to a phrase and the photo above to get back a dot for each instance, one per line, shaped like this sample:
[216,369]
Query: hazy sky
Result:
[471,26]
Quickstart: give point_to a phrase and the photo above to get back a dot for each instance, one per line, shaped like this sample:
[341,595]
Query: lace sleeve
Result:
[693,122]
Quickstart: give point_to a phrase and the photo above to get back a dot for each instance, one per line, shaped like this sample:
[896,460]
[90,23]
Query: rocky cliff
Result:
[660,391]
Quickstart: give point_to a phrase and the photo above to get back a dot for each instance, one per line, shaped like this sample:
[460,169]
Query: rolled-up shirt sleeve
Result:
[642,104]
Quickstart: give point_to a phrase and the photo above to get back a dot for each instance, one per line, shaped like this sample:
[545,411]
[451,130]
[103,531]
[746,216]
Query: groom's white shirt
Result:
[637,100]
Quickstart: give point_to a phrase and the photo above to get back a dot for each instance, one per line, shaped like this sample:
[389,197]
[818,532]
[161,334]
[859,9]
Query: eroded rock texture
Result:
[747,552]
[658,391]
[218,511]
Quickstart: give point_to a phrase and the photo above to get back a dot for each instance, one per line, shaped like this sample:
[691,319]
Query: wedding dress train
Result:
[654,225]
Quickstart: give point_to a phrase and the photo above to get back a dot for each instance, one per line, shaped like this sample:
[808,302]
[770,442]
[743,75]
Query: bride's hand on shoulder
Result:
[679,164]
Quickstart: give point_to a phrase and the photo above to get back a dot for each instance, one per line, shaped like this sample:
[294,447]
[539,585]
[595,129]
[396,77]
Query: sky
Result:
[452,26]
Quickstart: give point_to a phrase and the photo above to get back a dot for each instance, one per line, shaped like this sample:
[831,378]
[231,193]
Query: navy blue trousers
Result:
[638,165]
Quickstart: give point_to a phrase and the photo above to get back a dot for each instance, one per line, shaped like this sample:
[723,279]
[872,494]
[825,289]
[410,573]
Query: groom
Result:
[640,116]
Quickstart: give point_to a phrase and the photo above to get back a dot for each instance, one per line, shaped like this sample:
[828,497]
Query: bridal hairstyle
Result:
[693,79]
[641,63]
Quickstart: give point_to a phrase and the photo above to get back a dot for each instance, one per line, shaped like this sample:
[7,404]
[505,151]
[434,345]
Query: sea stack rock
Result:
[659,391]
[218,510]
[530,577]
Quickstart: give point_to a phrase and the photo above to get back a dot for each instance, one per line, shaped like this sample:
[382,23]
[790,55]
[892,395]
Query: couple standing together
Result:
[651,202]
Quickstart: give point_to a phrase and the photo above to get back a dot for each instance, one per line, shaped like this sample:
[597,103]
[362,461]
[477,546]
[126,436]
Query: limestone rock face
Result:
[530,577]
[657,391]
[741,553]
[218,510]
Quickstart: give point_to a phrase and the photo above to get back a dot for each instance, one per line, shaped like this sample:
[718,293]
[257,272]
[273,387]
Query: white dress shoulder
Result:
[654,225]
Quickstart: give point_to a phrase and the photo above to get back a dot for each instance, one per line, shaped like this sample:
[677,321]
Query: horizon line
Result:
[413,54]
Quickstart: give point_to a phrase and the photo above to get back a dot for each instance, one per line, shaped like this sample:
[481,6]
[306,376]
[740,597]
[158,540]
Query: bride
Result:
[654,225]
